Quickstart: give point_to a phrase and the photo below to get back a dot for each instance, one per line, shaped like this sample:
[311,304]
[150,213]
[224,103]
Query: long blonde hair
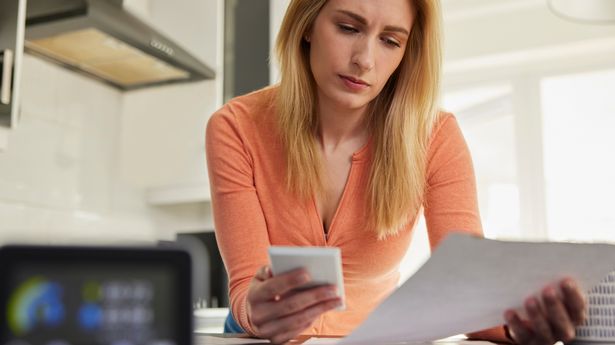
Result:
[400,118]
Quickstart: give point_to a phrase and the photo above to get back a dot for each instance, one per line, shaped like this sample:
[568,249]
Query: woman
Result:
[346,151]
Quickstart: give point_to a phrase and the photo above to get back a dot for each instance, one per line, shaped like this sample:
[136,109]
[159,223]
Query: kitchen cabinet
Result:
[247,46]
[12,26]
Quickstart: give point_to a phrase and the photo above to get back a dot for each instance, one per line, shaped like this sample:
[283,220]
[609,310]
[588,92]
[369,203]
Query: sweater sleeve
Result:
[450,200]
[241,231]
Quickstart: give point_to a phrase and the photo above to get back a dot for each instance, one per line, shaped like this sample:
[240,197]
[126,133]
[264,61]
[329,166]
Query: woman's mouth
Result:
[354,84]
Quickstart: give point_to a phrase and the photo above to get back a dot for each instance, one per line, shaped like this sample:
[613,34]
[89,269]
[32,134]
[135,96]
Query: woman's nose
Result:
[363,55]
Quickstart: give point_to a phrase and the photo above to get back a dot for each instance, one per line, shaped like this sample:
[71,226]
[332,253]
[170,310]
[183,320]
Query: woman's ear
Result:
[307,35]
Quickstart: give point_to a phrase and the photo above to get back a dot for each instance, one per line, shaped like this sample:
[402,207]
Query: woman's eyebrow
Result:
[363,21]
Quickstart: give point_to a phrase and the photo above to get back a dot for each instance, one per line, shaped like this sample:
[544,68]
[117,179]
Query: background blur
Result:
[88,163]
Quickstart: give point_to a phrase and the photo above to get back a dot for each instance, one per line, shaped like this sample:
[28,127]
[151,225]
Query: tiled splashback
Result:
[58,178]
[79,163]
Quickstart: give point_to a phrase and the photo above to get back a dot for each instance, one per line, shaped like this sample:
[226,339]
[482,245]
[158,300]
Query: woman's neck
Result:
[342,127]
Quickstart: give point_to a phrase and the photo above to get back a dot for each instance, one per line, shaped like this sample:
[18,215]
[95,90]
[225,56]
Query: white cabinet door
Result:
[12,25]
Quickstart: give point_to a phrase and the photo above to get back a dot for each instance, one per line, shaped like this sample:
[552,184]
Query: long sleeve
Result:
[241,230]
[451,201]
[450,198]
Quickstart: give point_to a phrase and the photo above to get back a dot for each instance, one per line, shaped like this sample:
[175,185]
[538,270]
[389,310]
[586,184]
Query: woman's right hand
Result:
[278,312]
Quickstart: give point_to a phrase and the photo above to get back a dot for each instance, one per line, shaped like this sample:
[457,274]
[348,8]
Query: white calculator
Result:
[600,323]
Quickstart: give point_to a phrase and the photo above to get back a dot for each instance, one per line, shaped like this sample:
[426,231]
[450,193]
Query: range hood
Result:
[99,39]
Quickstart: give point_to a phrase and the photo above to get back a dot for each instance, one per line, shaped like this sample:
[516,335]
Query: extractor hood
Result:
[98,38]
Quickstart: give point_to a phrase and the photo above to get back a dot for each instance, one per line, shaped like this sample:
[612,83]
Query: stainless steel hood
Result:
[99,39]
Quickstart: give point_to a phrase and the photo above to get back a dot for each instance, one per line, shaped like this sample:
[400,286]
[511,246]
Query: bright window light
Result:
[487,121]
[579,155]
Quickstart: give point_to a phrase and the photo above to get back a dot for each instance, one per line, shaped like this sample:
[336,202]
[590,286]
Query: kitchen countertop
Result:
[242,339]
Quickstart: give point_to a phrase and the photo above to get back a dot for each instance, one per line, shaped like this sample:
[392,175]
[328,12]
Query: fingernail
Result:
[509,315]
[569,284]
[303,278]
[331,293]
[550,293]
[530,303]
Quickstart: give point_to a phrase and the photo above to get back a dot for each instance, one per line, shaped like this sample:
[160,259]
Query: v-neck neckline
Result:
[357,156]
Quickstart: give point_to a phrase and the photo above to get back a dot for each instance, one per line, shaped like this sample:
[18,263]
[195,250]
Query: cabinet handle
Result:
[7,75]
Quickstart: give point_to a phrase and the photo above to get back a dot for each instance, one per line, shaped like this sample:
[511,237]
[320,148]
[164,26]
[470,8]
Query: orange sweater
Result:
[253,210]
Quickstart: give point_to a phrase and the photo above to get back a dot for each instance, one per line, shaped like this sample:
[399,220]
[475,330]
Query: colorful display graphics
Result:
[113,309]
[79,296]
[36,302]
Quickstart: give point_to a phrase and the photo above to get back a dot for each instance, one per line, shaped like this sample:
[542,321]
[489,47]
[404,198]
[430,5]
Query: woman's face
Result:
[355,46]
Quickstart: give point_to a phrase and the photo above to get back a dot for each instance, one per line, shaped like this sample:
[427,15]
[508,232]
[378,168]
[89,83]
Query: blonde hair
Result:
[400,118]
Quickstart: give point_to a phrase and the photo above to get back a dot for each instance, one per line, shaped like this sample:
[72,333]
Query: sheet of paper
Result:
[215,340]
[322,341]
[469,282]
[335,341]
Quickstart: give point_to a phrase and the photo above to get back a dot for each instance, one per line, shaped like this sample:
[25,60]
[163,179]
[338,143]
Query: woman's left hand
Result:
[551,320]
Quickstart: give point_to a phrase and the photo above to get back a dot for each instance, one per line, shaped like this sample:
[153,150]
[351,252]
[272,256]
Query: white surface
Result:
[58,177]
[214,340]
[579,121]
[83,153]
[171,195]
[211,340]
[7,76]
[18,66]
[587,10]
[322,341]
[210,320]
[277,9]
[468,284]
[333,341]
[4,139]
[162,141]
[324,265]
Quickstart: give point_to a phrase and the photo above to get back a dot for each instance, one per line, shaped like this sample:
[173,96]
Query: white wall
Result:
[161,145]
[79,165]
[508,26]
[486,40]
[277,8]
[59,179]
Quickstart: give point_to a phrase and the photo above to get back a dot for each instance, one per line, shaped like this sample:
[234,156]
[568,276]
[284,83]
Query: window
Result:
[487,120]
[488,124]
[579,155]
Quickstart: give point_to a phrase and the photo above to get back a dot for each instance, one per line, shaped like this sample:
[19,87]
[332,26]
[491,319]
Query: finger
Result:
[297,320]
[293,303]
[562,327]
[574,300]
[539,323]
[276,286]
[517,328]
[263,273]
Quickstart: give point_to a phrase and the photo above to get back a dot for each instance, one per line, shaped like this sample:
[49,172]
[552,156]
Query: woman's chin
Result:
[351,102]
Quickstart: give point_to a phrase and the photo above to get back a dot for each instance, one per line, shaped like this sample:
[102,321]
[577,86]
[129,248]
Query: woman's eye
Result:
[391,42]
[348,29]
